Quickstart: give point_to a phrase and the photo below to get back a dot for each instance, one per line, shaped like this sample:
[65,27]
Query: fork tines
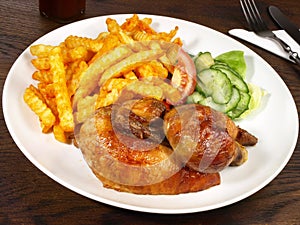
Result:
[252,15]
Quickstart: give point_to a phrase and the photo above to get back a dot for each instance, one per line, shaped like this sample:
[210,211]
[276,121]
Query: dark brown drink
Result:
[62,11]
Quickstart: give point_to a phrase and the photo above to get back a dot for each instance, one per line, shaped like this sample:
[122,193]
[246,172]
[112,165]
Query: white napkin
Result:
[266,43]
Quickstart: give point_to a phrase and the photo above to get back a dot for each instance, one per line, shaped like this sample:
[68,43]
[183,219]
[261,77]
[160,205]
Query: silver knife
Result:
[284,23]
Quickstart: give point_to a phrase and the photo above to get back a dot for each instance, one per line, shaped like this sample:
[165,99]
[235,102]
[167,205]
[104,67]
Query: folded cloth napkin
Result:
[268,44]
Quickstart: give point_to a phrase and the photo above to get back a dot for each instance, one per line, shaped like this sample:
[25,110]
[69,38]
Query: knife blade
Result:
[284,23]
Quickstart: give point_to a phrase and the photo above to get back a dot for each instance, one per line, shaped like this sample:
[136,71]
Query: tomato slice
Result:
[184,76]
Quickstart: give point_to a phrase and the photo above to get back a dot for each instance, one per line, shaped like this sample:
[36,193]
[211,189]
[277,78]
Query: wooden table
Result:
[28,196]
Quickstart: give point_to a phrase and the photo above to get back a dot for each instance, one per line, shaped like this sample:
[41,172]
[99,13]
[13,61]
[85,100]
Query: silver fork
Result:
[258,25]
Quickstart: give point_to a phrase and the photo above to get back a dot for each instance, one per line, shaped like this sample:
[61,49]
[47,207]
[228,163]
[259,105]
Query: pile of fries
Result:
[60,70]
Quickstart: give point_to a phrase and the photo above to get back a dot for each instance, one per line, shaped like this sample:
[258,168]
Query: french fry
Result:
[150,69]
[63,101]
[101,36]
[41,50]
[47,91]
[144,25]
[142,36]
[59,134]
[134,24]
[74,54]
[110,42]
[34,100]
[106,98]
[177,41]
[114,28]
[89,43]
[85,108]
[44,76]
[91,76]
[77,72]
[130,75]
[129,63]
[166,36]
[145,89]
[130,24]
[168,90]
[41,63]
[110,91]
[46,129]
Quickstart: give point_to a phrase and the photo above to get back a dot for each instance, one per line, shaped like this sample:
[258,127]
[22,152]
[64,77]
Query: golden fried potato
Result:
[114,28]
[63,102]
[107,98]
[47,91]
[59,134]
[131,23]
[145,89]
[34,100]
[134,24]
[44,76]
[90,44]
[92,75]
[40,50]
[110,42]
[110,91]
[85,108]
[76,53]
[41,63]
[169,92]
[77,70]
[150,69]
[130,75]
[131,62]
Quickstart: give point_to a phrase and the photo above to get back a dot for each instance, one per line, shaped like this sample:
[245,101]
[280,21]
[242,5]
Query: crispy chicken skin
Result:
[184,181]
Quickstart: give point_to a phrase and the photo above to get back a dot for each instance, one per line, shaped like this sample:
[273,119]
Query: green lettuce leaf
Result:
[256,98]
[235,59]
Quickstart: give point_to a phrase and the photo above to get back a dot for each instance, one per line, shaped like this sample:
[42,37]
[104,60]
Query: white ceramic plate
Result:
[275,124]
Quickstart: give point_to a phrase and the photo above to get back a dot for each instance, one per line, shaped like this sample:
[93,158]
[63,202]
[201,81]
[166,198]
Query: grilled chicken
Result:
[245,138]
[202,137]
[125,146]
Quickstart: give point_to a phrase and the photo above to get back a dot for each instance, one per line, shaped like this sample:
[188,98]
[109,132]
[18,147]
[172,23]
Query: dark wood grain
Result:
[27,196]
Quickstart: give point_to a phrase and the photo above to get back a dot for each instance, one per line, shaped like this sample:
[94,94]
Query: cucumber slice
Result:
[200,88]
[203,61]
[196,97]
[223,107]
[225,66]
[220,63]
[216,84]
[235,99]
[210,102]
[241,107]
[234,77]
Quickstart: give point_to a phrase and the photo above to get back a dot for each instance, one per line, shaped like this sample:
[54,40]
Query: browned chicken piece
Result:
[245,138]
[125,146]
[127,163]
[206,138]
[142,118]
[203,137]
[184,181]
